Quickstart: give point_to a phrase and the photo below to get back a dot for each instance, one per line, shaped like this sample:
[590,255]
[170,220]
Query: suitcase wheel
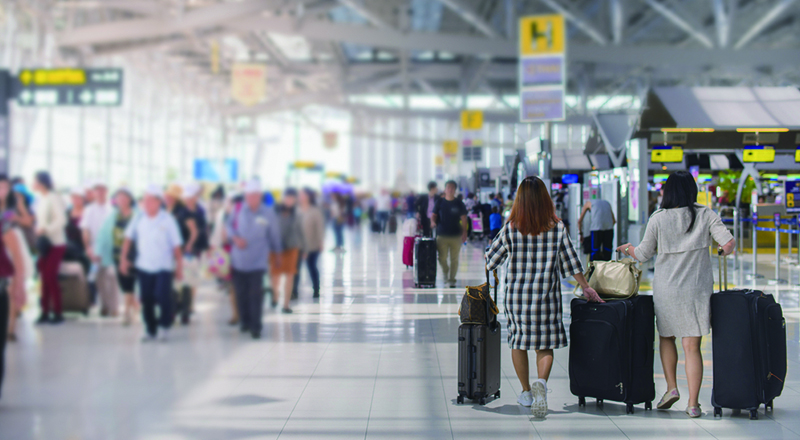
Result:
[717,412]
[753,414]
[497,394]
[599,402]
[482,401]
[769,405]
[629,408]
[648,406]
[581,401]
[460,399]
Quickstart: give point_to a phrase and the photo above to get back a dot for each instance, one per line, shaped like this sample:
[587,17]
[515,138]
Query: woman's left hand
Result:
[592,295]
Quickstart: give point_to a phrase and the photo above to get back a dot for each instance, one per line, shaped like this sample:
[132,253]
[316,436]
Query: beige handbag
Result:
[613,279]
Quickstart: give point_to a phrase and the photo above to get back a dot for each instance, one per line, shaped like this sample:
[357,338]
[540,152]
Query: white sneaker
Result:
[525,399]
[163,335]
[539,406]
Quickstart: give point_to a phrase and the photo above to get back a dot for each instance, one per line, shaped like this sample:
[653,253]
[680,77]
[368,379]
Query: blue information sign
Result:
[791,196]
[226,170]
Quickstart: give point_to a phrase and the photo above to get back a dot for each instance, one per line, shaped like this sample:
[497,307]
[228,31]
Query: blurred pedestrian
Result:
[104,276]
[313,223]
[449,215]
[7,271]
[383,208]
[425,204]
[193,224]
[108,247]
[337,221]
[51,243]
[76,248]
[255,232]
[159,257]
[18,252]
[284,263]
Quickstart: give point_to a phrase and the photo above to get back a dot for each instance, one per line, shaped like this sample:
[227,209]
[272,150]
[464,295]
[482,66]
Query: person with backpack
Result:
[255,233]
[193,224]
[535,246]
[681,233]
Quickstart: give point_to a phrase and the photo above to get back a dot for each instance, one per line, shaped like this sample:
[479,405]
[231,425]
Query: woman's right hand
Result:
[591,295]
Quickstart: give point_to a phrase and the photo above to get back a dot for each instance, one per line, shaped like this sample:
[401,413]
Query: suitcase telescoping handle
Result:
[496,282]
[723,267]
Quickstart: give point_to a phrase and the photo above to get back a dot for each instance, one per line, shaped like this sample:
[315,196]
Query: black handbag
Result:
[43,245]
[477,305]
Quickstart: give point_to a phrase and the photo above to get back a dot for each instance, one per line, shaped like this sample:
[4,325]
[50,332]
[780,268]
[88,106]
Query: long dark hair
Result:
[11,199]
[680,191]
[533,211]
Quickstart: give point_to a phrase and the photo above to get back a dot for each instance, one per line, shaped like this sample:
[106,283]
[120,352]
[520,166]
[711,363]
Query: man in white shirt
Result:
[158,257]
[105,280]
[383,208]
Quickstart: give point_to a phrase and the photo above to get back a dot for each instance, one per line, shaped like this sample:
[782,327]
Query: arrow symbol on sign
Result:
[25,96]
[86,97]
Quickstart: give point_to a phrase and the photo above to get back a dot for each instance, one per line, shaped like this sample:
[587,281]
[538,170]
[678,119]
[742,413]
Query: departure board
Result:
[759,154]
[69,87]
[666,154]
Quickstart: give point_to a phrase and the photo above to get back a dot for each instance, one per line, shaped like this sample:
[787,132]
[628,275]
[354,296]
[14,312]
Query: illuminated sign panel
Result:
[759,154]
[69,87]
[666,154]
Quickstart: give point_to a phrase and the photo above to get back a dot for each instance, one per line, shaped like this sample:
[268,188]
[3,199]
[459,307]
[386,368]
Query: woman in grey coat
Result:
[681,233]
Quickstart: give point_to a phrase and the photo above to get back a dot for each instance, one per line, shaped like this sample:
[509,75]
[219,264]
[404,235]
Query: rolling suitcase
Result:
[182,304]
[74,293]
[392,224]
[611,351]
[748,348]
[425,262]
[479,372]
[408,251]
[376,226]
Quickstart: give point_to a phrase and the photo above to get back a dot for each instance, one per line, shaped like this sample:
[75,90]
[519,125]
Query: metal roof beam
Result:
[617,21]
[471,17]
[362,10]
[680,22]
[579,21]
[762,23]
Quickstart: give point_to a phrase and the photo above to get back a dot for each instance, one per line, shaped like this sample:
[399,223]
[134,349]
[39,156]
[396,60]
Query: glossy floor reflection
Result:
[374,359]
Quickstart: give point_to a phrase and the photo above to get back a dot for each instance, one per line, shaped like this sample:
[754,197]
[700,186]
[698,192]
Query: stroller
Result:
[477,230]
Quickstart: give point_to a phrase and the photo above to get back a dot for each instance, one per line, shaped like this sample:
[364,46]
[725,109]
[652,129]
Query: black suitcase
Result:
[376,226]
[182,304]
[425,262]
[479,372]
[748,349]
[611,351]
[392,224]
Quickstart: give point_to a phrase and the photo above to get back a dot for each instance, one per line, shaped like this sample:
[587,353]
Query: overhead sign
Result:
[542,68]
[791,197]
[450,147]
[69,87]
[248,83]
[330,139]
[471,120]
[759,154]
[797,155]
[666,154]
[223,171]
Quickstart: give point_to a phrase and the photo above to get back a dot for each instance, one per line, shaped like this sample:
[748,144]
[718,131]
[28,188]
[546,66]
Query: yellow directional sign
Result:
[471,120]
[450,147]
[541,35]
[797,155]
[759,154]
[666,155]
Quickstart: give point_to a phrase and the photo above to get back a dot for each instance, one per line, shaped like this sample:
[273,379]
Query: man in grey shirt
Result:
[602,228]
[255,233]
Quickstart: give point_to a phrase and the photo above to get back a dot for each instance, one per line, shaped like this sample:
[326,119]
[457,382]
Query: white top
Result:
[383,203]
[93,218]
[156,239]
[52,217]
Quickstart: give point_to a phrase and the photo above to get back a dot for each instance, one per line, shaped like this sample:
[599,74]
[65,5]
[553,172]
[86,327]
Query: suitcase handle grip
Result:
[723,266]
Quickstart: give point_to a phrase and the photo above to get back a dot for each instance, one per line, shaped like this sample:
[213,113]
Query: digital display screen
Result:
[704,178]
[660,178]
[556,186]
[759,154]
[666,154]
[568,179]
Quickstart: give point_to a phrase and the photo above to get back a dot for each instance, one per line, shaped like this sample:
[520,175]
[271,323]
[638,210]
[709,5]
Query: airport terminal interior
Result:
[280,219]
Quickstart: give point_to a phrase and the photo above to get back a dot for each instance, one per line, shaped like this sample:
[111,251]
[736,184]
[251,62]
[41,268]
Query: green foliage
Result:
[729,181]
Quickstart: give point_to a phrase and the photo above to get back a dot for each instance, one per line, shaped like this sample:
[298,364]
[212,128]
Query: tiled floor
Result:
[374,359]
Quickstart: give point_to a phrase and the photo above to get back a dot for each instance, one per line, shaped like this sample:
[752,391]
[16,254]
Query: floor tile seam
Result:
[771,417]
[615,424]
[305,387]
[375,381]
[441,378]
[255,365]
[696,422]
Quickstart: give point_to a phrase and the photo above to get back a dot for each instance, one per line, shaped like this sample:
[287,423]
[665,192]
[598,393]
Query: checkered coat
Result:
[536,266]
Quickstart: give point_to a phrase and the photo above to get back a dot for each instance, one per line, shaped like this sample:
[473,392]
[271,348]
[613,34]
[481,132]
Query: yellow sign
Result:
[450,147]
[541,35]
[439,160]
[248,83]
[666,155]
[790,200]
[471,120]
[53,77]
[797,155]
[760,154]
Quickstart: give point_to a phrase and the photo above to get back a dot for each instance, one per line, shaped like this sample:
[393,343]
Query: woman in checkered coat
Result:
[539,253]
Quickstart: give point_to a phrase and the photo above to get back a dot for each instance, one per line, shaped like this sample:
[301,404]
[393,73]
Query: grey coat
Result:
[684,279]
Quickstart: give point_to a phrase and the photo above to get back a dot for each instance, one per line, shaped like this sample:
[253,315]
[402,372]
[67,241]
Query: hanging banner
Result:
[248,83]
[450,148]
[542,68]
[471,120]
[330,139]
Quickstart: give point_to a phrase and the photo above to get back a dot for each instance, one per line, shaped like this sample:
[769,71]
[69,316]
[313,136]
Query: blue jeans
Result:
[156,288]
[338,233]
[313,270]
[383,218]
